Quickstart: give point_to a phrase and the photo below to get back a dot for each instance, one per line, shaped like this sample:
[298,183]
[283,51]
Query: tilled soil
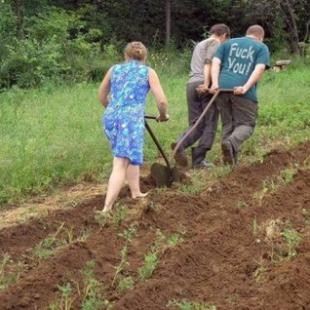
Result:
[224,260]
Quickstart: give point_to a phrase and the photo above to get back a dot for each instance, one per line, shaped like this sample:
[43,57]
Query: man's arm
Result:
[215,72]
[253,79]
[104,88]
[207,79]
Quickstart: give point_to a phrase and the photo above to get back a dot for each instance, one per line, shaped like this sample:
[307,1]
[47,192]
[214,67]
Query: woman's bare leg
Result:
[133,178]
[116,181]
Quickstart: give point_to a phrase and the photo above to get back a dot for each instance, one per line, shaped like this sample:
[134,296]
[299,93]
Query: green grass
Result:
[53,136]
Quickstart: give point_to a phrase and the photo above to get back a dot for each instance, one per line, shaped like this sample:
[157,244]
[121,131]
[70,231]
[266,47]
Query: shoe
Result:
[204,165]
[228,153]
[180,156]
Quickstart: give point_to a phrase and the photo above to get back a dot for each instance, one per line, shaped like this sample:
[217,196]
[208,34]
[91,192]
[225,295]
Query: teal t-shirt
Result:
[238,60]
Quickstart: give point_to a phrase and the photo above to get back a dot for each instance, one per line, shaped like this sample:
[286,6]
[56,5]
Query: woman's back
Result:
[129,85]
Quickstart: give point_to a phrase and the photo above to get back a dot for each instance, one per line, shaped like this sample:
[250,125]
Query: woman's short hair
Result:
[220,29]
[136,50]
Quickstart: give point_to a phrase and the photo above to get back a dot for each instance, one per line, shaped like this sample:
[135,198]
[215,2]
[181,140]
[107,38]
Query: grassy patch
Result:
[53,136]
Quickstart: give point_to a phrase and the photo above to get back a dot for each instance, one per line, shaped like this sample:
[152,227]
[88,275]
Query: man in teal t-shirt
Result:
[239,64]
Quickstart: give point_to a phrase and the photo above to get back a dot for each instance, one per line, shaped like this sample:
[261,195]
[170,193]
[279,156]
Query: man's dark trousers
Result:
[238,116]
[206,130]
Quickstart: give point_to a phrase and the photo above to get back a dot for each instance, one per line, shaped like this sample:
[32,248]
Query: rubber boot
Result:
[198,158]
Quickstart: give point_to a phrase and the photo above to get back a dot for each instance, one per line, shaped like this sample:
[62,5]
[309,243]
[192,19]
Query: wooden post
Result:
[168,21]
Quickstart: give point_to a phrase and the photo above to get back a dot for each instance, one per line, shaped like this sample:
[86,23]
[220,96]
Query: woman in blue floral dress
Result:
[128,84]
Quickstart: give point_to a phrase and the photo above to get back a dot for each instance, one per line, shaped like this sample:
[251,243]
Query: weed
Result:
[46,247]
[293,239]
[287,175]
[66,300]
[270,186]
[125,284]
[92,293]
[103,218]
[150,263]
[259,272]
[151,259]
[128,235]
[8,277]
[254,227]
[174,240]
[119,215]
[241,205]
[190,305]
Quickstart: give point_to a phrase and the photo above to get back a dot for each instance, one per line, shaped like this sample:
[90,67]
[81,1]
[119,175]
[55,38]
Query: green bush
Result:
[56,47]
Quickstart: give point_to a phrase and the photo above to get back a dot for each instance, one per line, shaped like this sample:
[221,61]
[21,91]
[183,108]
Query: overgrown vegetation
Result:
[54,40]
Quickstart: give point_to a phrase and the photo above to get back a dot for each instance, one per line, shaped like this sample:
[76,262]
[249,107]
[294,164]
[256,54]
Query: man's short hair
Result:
[256,30]
[220,29]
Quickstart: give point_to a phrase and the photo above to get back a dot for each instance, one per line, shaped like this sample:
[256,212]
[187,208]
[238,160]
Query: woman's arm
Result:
[104,88]
[159,94]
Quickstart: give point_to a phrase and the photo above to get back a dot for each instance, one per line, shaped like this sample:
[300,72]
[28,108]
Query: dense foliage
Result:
[72,41]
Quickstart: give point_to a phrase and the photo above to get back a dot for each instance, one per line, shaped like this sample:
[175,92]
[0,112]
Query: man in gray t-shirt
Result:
[197,99]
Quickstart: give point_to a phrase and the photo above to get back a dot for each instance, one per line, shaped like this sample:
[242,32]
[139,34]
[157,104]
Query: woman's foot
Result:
[139,195]
[106,209]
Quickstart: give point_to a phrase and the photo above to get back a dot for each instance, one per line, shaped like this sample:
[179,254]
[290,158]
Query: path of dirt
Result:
[215,263]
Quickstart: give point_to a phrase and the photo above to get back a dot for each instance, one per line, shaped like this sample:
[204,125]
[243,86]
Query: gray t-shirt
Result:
[202,54]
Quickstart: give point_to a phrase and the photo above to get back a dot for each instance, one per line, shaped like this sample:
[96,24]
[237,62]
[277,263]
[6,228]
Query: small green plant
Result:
[150,263]
[128,235]
[151,259]
[259,272]
[190,305]
[92,292]
[287,175]
[46,247]
[119,214]
[125,283]
[103,218]
[66,300]
[174,240]
[8,274]
[255,227]
[241,205]
[293,239]
[270,186]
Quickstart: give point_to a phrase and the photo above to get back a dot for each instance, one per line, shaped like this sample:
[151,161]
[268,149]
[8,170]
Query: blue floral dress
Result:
[123,119]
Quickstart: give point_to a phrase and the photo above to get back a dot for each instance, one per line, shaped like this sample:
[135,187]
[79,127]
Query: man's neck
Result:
[253,37]
[214,37]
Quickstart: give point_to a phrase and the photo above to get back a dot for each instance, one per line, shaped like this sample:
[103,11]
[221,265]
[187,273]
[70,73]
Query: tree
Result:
[19,12]
[168,21]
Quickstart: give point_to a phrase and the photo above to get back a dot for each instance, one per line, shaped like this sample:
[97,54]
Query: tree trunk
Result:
[168,21]
[292,25]
[19,12]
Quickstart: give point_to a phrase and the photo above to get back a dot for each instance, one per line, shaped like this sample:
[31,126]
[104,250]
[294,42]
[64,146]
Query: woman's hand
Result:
[163,117]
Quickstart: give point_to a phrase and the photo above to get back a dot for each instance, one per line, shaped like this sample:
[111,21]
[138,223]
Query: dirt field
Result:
[243,243]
